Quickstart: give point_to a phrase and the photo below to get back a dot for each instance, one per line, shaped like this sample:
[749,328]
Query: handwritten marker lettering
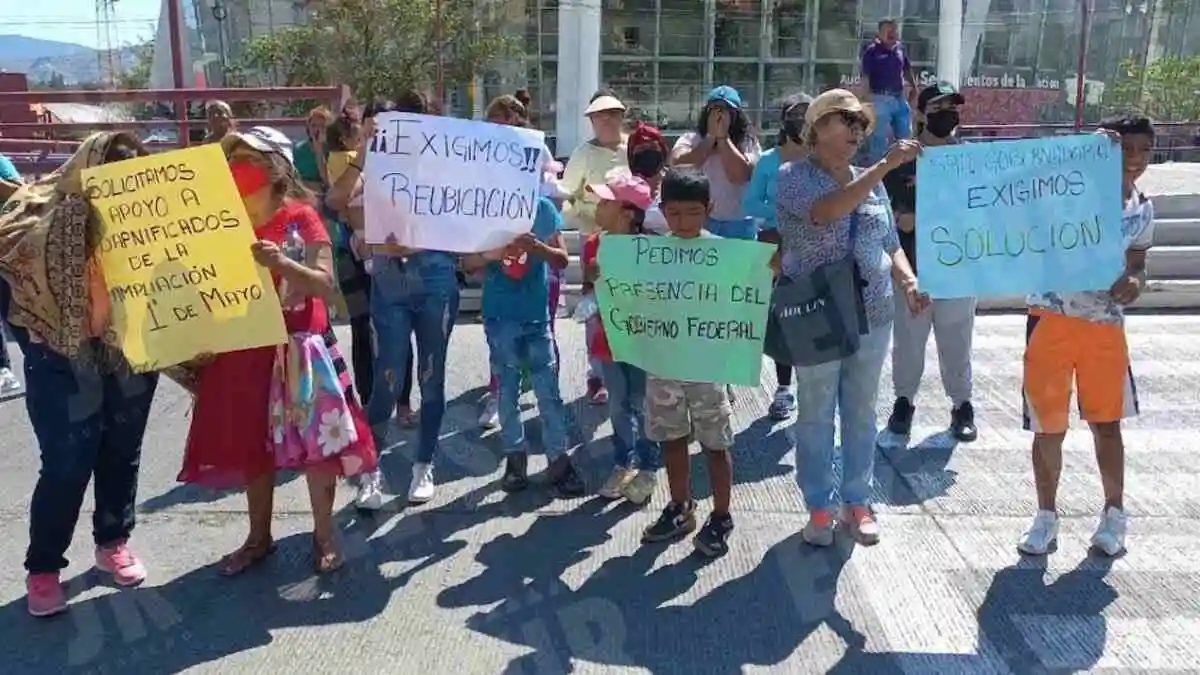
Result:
[175,250]
[691,309]
[447,184]
[1015,217]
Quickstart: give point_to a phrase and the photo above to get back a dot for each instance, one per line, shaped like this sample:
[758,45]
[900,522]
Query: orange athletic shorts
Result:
[1063,350]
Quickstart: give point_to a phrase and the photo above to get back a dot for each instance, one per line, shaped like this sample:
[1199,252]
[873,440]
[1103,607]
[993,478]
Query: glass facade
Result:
[1020,56]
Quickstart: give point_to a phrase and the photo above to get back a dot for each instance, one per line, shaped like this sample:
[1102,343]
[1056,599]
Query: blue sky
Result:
[75,20]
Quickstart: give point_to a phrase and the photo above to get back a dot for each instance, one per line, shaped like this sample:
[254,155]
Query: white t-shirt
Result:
[655,221]
[726,195]
[1137,227]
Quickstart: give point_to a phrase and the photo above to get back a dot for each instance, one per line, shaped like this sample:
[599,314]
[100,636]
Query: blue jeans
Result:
[627,410]
[412,297]
[848,387]
[743,228]
[89,426]
[891,112]
[511,344]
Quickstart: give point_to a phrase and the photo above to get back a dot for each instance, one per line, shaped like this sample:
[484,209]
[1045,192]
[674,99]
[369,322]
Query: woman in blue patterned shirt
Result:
[817,199]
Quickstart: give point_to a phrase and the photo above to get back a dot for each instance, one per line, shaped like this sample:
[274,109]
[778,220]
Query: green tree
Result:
[137,76]
[1167,89]
[379,47]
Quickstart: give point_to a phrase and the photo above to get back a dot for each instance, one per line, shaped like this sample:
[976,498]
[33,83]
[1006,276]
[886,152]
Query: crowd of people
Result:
[299,406]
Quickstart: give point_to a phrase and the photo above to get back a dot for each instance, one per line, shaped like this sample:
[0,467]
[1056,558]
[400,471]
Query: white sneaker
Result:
[9,384]
[1041,536]
[370,492]
[420,490]
[1110,534]
[616,482]
[490,417]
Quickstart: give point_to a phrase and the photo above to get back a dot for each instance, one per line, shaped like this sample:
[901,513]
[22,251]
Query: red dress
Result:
[229,441]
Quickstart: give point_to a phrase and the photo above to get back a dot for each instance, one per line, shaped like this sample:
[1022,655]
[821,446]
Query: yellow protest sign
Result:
[175,249]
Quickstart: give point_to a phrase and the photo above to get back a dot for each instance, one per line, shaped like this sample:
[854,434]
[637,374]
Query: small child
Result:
[677,410]
[624,201]
[517,321]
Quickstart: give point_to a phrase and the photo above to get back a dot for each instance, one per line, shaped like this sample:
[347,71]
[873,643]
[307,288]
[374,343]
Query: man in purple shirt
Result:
[885,71]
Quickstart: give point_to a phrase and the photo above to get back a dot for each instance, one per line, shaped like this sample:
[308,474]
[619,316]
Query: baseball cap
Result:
[835,101]
[262,139]
[625,188]
[644,134]
[727,95]
[937,92]
[603,104]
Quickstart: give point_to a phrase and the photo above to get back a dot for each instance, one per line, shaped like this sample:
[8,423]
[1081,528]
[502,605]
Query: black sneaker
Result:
[565,478]
[676,520]
[711,539]
[516,472]
[962,423]
[900,423]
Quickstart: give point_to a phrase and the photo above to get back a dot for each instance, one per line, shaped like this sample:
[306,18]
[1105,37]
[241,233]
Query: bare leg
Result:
[1110,457]
[720,475]
[260,497]
[321,491]
[1047,468]
[679,470]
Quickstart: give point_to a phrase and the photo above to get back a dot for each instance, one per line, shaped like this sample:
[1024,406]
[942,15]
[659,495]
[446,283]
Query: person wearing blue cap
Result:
[725,149]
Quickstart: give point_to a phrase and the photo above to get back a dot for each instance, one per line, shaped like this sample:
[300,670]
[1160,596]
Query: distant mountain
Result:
[40,60]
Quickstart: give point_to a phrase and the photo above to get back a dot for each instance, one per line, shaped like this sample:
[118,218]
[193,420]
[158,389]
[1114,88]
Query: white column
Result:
[578,70]
[950,41]
[974,19]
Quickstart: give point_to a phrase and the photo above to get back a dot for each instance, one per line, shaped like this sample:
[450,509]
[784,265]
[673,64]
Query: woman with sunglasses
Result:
[819,197]
[759,203]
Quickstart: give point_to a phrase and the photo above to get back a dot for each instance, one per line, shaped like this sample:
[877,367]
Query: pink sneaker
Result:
[120,562]
[45,594]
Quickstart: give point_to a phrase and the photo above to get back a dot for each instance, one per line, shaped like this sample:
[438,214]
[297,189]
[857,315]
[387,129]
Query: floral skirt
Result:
[315,419]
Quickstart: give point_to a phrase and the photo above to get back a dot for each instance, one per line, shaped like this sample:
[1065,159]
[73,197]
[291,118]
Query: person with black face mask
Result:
[951,320]
[759,202]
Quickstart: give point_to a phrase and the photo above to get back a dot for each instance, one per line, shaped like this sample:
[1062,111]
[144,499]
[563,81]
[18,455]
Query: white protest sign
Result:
[447,184]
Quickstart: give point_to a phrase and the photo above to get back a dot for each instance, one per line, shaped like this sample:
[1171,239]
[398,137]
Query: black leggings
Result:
[783,373]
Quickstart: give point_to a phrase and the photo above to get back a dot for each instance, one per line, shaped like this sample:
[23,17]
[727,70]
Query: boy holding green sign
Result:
[678,411]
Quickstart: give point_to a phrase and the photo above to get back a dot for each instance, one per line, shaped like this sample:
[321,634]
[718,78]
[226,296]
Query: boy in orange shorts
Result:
[1080,337]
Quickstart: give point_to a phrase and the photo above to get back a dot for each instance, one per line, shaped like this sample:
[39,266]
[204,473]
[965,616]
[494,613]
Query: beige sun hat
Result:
[835,101]
[604,104]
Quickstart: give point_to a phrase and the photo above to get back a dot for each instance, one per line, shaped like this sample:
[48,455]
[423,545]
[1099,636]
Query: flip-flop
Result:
[226,568]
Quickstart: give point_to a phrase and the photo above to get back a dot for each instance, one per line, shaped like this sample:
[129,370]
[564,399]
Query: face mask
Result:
[647,163]
[249,177]
[941,123]
[793,129]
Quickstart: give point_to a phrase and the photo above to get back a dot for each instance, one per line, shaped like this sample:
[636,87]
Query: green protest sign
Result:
[686,309]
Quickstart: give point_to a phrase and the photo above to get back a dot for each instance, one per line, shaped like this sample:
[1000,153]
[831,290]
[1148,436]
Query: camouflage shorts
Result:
[677,409]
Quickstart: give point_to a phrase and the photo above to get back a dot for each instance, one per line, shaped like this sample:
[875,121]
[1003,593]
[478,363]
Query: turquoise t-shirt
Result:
[8,171]
[526,299]
[759,199]
[305,160]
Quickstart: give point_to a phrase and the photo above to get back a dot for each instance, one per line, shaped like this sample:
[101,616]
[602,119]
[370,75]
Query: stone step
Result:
[1173,262]
[1177,231]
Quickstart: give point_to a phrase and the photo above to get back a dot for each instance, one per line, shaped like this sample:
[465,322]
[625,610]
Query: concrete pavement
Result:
[477,582]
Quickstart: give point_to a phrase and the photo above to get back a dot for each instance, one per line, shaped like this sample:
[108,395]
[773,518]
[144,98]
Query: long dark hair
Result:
[739,126]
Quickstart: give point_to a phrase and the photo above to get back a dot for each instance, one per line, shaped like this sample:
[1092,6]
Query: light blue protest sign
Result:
[1016,217]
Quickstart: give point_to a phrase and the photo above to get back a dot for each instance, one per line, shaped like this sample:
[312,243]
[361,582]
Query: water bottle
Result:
[293,248]
[293,244]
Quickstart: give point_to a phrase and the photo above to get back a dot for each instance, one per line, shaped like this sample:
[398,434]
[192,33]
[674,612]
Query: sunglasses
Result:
[854,120]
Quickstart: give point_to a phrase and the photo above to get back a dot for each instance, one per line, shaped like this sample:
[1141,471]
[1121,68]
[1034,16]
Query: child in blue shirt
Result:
[516,320]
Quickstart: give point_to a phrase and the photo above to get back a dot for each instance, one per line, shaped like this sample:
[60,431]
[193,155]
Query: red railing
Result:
[34,148]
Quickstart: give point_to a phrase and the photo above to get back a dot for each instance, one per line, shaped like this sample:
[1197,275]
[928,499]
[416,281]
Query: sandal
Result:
[326,557]
[244,558]
[406,417]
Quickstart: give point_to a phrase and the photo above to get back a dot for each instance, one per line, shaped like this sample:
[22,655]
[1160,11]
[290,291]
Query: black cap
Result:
[937,92]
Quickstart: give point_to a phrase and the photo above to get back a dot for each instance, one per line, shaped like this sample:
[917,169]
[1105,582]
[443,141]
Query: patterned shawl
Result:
[44,230]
